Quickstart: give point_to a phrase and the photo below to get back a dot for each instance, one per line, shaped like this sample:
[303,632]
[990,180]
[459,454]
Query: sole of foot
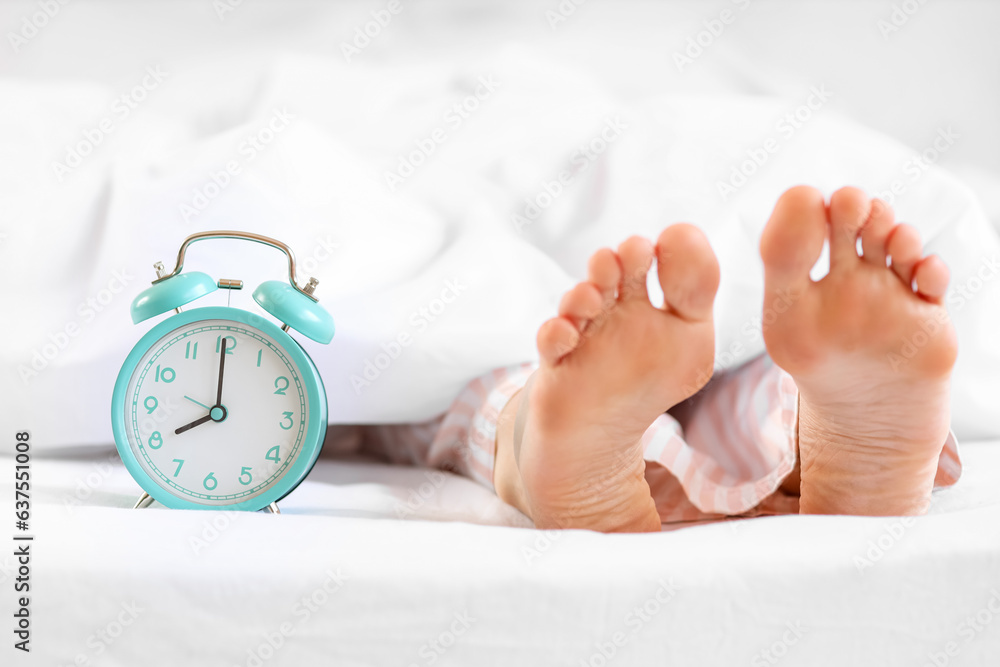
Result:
[611,363]
[870,347]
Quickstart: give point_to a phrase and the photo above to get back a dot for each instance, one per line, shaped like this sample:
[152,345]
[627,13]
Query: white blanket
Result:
[393,197]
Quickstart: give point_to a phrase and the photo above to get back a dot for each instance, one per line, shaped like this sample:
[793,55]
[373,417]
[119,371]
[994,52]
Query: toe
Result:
[688,271]
[849,211]
[793,239]
[605,272]
[931,276]
[876,232]
[636,255]
[556,338]
[905,248]
[581,304]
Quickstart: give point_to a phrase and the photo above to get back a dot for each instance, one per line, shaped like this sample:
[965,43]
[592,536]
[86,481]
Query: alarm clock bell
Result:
[294,307]
[171,294]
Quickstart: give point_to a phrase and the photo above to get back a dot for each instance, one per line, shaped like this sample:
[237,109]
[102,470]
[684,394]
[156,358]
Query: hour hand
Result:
[196,422]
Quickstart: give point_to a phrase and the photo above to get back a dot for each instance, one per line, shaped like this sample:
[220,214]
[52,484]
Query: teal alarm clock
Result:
[219,407]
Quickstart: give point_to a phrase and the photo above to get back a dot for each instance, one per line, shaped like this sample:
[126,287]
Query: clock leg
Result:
[144,501]
[273,508]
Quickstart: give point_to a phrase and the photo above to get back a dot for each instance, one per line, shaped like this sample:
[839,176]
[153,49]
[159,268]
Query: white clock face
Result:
[203,450]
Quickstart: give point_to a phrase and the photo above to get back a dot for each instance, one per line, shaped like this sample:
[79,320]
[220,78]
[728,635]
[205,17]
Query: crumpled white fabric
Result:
[463,258]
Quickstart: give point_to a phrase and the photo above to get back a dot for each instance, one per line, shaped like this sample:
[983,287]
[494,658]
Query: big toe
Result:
[688,271]
[793,238]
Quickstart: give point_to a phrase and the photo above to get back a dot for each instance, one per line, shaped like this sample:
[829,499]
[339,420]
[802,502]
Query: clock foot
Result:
[145,500]
[273,508]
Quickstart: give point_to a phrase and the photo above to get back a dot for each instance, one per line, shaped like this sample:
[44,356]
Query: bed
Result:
[376,564]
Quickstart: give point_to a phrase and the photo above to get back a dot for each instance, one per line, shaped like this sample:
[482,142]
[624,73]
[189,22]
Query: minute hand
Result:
[222,370]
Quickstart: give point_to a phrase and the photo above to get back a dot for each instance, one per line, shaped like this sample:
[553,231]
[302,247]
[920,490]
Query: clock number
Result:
[245,472]
[150,409]
[191,352]
[162,375]
[180,464]
[157,438]
[272,454]
[230,346]
[291,422]
[259,354]
[210,478]
[278,389]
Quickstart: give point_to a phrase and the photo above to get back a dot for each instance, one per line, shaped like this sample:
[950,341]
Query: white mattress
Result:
[208,588]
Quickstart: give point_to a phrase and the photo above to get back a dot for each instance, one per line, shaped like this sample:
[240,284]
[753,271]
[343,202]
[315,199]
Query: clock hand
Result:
[218,402]
[222,369]
[196,422]
[207,407]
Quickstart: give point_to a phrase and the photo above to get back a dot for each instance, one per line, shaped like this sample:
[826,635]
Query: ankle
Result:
[506,476]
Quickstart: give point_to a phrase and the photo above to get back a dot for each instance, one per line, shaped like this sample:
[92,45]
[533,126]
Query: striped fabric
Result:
[463,440]
[739,443]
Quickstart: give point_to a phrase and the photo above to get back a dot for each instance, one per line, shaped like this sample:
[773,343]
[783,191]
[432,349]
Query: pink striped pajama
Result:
[738,445]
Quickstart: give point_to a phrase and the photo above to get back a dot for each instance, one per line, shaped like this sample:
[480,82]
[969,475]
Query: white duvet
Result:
[447,208]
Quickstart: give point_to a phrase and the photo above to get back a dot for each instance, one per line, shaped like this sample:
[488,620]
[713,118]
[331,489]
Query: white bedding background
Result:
[77,245]
[313,139]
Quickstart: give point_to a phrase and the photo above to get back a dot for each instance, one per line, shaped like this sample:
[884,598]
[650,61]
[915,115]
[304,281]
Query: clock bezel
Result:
[317,404]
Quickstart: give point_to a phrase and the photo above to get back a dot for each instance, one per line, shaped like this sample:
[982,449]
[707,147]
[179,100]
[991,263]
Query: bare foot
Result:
[871,354]
[611,363]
